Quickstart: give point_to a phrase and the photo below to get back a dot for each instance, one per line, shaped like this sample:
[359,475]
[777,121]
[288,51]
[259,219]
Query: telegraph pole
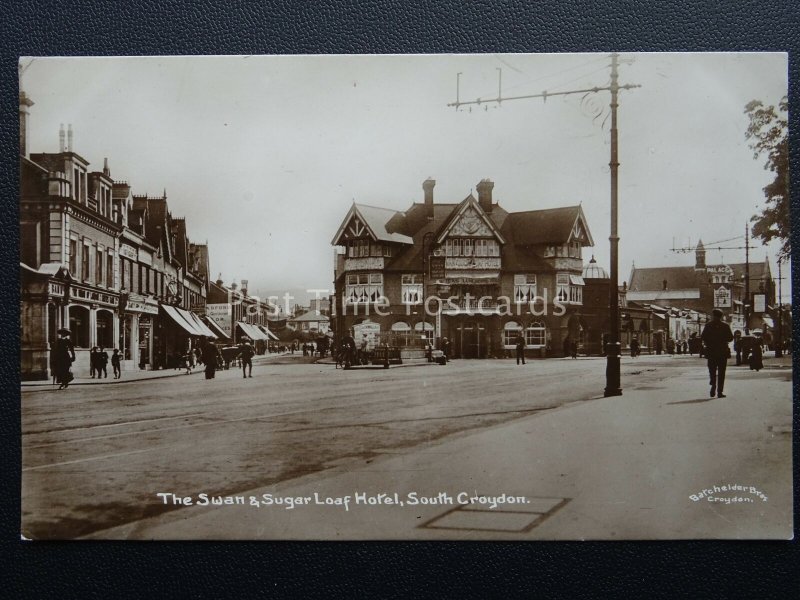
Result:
[613,350]
[779,344]
[746,279]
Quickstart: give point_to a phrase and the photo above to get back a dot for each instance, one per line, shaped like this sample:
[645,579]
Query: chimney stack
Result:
[244,287]
[484,188]
[428,186]
[69,137]
[24,104]
[219,281]
[106,170]
[62,146]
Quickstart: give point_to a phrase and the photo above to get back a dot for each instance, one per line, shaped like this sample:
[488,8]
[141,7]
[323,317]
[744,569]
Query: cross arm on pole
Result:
[545,95]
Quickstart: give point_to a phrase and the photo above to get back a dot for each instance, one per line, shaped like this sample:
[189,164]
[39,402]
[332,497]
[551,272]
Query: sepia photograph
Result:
[405,297]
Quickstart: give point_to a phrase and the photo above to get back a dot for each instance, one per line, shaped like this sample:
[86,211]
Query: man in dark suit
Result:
[716,337]
[519,343]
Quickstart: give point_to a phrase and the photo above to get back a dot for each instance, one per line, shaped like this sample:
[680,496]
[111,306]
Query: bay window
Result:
[411,289]
[471,247]
[364,288]
[524,288]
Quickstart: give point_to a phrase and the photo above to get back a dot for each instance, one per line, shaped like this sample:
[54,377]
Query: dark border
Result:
[138,27]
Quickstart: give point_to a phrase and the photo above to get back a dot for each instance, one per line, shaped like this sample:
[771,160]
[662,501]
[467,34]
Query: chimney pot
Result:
[484,188]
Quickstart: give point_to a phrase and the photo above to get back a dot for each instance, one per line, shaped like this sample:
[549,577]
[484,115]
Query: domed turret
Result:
[594,271]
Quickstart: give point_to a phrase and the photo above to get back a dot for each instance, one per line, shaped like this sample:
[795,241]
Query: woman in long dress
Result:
[63,357]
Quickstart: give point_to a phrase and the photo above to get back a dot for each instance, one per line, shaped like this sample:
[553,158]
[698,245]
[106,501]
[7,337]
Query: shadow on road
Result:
[692,401]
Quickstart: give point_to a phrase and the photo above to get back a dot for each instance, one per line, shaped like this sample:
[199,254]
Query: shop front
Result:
[139,316]
[179,334]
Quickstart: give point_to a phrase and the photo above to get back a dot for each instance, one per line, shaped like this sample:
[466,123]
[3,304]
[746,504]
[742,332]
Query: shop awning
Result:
[251,331]
[768,321]
[185,322]
[202,326]
[216,329]
[576,280]
[270,335]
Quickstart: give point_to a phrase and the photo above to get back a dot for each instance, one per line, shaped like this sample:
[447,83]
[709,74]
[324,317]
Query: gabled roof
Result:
[312,315]
[689,278]
[156,230]
[466,204]
[652,278]
[548,226]
[758,270]
[376,221]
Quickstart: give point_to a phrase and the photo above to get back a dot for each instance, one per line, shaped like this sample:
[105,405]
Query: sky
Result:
[264,155]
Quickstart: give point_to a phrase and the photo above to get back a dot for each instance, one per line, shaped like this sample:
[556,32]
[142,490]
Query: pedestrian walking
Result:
[756,360]
[446,349]
[520,346]
[64,357]
[737,346]
[246,353]
[635,348]
[716,336]
[115,364]
[567,346]
[209,358]
[102,363]
[93,362]
[573,348]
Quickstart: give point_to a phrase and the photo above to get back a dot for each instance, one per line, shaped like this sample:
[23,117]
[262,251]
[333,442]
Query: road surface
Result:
[95,457]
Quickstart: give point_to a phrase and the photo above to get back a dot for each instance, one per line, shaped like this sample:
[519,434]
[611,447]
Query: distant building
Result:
[703,287]
[311,321]
[493,273]
[321,305]
[636,321]
[237,314]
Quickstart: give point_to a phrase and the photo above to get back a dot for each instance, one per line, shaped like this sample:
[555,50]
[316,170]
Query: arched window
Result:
[401,326]
[426,329]
[510,332]
[536,335]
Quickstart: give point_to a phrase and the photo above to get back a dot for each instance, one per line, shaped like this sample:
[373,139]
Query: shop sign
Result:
[759,303]
[128,252]
[145,257]
[141,307]
[438,270]
[221,315]
[371,330]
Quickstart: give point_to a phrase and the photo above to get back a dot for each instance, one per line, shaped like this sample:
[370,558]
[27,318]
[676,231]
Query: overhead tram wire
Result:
[602,58]
[556,74]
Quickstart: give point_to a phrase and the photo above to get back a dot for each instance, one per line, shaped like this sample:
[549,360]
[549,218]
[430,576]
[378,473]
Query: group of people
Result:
[98,363]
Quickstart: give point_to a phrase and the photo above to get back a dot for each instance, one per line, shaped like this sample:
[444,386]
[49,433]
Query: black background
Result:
[579,569]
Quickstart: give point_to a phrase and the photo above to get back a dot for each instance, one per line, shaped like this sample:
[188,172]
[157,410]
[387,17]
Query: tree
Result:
[768,136]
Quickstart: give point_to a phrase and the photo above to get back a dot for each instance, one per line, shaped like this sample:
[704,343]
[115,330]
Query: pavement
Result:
[143,375]
[653,463]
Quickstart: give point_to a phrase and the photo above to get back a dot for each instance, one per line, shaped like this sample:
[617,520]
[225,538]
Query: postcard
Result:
[405,297]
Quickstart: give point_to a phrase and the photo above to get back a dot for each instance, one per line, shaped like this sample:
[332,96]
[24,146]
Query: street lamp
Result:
[425,251]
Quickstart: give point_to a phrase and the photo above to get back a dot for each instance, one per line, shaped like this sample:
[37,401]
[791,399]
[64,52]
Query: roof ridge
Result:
[378,207]
[533,210]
